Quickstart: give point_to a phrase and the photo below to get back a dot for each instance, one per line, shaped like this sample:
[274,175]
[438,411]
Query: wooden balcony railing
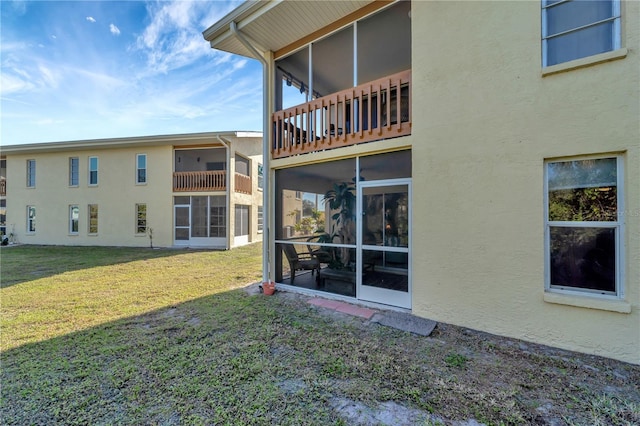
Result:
[3,187]
[200,181]
[243,183]
[380,109]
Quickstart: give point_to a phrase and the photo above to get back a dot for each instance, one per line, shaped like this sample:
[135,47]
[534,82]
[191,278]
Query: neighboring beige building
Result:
[120,192]
[482,158]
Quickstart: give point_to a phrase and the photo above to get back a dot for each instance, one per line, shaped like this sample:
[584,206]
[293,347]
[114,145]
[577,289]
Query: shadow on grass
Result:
[209,360]
[231,358]
[27,262]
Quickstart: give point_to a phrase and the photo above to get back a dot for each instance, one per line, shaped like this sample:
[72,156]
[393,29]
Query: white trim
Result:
[71,207]
[615,19]
[617,225]
[71,185]
[97,170]
[374,294]
[137,170]
[30,220]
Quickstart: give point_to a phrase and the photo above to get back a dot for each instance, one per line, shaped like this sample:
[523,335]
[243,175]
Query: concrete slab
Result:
[405,321]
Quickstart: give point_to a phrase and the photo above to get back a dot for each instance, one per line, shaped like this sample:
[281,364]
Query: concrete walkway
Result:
[399,320]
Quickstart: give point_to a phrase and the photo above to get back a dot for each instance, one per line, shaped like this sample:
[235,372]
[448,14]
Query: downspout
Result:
[265,147]
[227,189]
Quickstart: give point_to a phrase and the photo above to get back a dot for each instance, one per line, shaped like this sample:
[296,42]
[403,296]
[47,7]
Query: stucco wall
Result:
[484,121]
[116,196]
[250,148]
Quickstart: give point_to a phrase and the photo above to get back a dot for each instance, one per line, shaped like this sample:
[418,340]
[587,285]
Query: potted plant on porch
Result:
[342,198]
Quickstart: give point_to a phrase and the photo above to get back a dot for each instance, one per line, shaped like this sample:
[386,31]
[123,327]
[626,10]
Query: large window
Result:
[93,170]
[141,218]
[241,220]
[73,171]
[217,216]
[573,29]
[200,217]
[74,217]
[93,219]
[583,225]
[141,168]
[31,219]
[243,165]
[31,173]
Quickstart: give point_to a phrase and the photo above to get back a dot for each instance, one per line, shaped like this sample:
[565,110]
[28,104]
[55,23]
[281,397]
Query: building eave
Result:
[274,24]
[127,142]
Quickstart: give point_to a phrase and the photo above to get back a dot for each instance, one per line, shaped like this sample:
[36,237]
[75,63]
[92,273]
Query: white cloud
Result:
[114,30]
[14,84]
[173,38]
[90,19]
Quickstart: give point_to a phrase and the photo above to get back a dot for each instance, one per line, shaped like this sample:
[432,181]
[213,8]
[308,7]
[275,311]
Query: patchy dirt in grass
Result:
[475,378]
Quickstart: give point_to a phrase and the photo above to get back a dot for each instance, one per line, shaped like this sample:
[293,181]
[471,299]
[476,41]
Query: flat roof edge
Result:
[124,141]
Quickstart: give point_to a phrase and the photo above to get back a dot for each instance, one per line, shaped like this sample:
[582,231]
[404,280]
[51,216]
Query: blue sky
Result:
[100,69]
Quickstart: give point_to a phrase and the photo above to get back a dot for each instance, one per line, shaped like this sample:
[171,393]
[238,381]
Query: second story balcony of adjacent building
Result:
[203,169]
[206,170]
[345,85]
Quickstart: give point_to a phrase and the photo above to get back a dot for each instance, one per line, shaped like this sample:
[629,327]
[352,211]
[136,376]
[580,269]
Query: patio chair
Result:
[323,254]
[300,261]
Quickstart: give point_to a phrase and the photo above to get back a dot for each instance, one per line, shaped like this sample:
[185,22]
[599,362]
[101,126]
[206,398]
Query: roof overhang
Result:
[272,25]
[184,139]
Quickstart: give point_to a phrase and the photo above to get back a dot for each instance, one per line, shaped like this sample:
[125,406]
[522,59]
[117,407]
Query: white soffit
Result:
[274,24]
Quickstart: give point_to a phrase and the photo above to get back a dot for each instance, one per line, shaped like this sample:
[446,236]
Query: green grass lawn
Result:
[139,336]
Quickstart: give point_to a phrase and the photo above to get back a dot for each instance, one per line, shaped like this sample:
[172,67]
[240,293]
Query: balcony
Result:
[377,110]
[243,183]
[200,181]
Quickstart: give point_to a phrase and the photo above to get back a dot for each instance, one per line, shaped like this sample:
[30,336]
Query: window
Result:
[573,29]
[141,218]
[93,218]
[260,219]
[31,219]
[242,220]
[200,217]
[217,216]
[74,163]
[3,216]
[31,173]
[583,225]
[260,177]
[242,165]
[141,168]
[74,216]
[93,170]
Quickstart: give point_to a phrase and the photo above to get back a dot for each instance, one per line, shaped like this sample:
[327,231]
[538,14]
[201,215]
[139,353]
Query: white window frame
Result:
[31,220]
[138,168]
[547,5]
[31,173]
[137,219]
[260,218]
[92,170]
[239,158]
[260,177]
[73,207]
[74,172]
[618,225]
[89,231]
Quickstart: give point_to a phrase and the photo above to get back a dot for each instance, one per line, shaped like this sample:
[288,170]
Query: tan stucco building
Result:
[185,190]
[477,163]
